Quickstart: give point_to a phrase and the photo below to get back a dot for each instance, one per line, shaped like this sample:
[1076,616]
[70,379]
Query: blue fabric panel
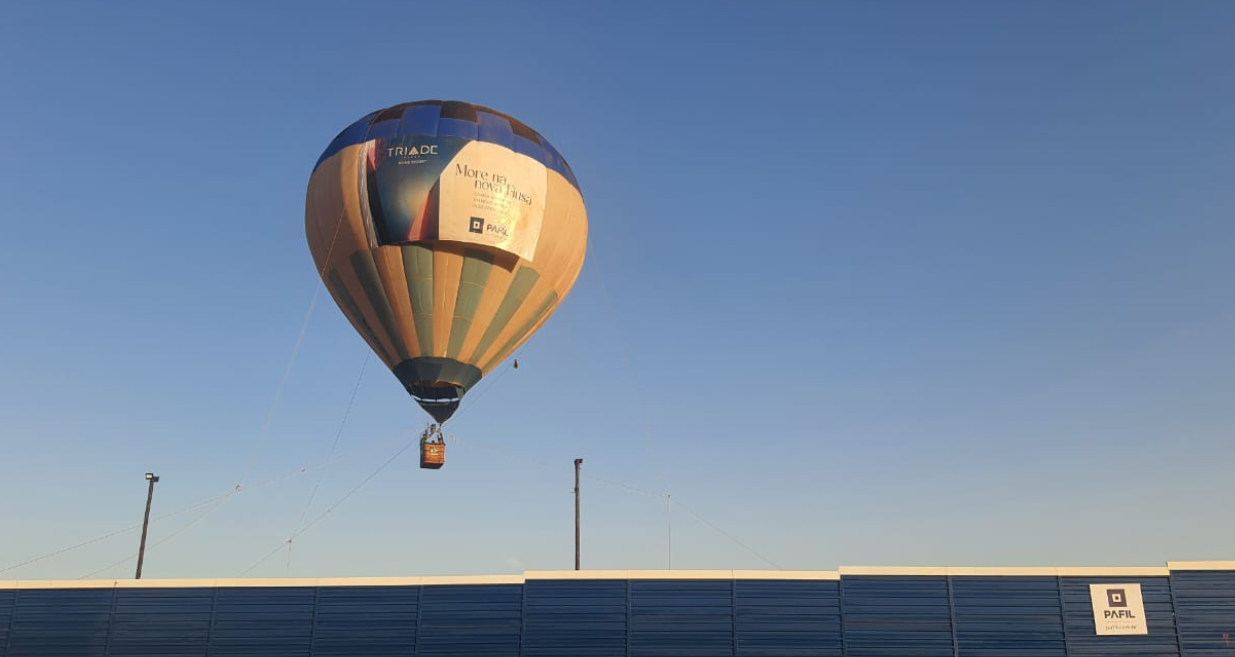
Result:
[353,134]
[425,118]
[267,621]
[681,618]
[381,129]
[1205,611]
[1008,617]
[494,129]
[469,621]
[1078,620]
[895,616]
[574,618]
[420,120]
[555,161]
[787,618]
[456,128]
[525,146]
[158,622]
[60,623]
[374,621]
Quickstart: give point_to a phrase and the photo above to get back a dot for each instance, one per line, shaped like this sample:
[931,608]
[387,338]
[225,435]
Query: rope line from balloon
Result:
[287,370]
[347,412]
[287,543]
[220,499]
[623,485]
[177,532]
[103,537]
[648,435]
[278,394]
[166,516]
[492,382]
[219,502]
[334,446]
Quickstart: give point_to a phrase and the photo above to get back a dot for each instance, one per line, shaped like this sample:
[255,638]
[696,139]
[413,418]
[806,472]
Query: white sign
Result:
[492,195]
[1118,609]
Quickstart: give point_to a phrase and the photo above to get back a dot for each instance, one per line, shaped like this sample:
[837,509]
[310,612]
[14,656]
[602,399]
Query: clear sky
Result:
[868,283]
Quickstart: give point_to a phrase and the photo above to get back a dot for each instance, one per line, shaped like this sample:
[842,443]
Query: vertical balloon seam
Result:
[366,272]
[447,266]
[541,311]
[459,304]
[350,310]
[420,290]
[365,305]
[476,267]
[525,278]
[389,260]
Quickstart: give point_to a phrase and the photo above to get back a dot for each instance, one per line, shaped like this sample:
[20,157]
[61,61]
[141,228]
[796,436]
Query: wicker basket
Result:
[432,455]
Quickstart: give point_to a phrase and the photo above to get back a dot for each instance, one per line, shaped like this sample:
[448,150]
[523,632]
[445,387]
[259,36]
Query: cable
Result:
[221,500]
[287,371]
[195,505]
[167,538]
[554,468]
[493,382]
[333,446]
[278,394]
[339,433]
[331,508]
[647,431]
[619,484]
[108,535]
[728,536]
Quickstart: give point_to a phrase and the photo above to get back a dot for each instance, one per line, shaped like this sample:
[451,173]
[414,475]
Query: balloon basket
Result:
[432,455]
[432,448]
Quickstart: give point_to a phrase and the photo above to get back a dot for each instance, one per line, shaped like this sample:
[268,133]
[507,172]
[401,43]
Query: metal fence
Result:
[1186,610]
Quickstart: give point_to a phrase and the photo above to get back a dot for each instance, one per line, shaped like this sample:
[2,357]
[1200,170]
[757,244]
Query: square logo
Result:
[1116,598]
[477,225]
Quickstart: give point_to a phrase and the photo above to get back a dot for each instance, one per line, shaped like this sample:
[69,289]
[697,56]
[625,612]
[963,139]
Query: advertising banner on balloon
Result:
[447,188]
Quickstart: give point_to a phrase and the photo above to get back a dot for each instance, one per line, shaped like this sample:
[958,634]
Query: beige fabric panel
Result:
[356,290]
[389,260]
[559,257]
[334,226]
[324,206]
[447,269]
[334,214]
[574,266]
[354,321]
[573,239]
[334,188]
[501,274]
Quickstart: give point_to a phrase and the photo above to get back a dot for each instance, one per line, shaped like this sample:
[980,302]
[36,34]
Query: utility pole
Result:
[141,551]
[578,462]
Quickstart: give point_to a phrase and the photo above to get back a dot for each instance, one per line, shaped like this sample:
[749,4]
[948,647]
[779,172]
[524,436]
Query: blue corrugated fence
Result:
[1189,613]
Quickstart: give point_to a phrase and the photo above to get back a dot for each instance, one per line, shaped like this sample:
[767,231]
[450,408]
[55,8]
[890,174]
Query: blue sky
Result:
[868,283]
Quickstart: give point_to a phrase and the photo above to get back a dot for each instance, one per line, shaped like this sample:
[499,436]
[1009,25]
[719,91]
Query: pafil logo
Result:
[477,225]
[1117,599]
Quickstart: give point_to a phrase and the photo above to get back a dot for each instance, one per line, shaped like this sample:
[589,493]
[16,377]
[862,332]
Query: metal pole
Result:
[141,551]
[578,462]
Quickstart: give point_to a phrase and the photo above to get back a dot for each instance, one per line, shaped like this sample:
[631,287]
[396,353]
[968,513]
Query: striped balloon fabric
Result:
[447,233]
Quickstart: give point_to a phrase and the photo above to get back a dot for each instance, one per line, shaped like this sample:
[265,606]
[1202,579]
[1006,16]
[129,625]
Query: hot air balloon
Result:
[447,233]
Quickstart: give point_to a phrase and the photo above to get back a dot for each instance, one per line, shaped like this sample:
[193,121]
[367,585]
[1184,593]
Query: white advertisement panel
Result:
[1118,609]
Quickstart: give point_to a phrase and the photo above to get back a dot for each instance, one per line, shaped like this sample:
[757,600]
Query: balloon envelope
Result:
[447,233]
